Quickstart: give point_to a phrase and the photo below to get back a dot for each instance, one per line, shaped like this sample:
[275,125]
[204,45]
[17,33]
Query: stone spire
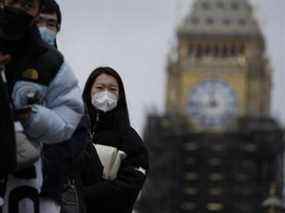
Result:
[220,17]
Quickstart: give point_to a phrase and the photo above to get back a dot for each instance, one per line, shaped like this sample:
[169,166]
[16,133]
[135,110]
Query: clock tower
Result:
[218,72]
[216,149]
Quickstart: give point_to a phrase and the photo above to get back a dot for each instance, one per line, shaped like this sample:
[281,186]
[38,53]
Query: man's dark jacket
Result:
[7,137]
[59,160]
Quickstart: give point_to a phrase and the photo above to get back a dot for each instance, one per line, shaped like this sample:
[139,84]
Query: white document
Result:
[111,159]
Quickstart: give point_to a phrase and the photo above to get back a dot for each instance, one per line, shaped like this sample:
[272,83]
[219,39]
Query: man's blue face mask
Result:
[48,35]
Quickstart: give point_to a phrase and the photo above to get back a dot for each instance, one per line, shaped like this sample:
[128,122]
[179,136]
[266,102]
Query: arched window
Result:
[220,5]
[195,20]
[216,51]
[190,50]
[233,50]
[210,21]
[208,50]
[235,5]
[225,51]
[206,6]
[199,51]
[242,22]
[242,49]
[226,21]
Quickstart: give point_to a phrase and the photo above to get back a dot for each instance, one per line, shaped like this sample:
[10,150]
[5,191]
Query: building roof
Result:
[225,17]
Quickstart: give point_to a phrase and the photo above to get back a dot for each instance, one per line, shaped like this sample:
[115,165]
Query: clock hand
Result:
[213,102]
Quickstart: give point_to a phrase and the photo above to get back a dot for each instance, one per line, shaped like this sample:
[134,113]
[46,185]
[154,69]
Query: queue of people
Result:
[55,139]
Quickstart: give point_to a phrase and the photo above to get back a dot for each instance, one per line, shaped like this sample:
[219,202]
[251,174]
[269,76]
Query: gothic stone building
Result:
[215,149]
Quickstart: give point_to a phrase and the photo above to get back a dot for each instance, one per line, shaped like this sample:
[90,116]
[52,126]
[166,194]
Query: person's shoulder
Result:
[44,51]
[48,64]
[84,122]
[135,147]
[134,132]
[131,134]
[53,56]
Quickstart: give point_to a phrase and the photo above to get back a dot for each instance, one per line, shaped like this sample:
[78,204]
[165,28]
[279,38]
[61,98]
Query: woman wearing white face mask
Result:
[117,189]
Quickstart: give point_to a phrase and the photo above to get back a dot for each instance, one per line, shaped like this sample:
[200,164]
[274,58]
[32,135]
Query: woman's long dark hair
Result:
[120,113]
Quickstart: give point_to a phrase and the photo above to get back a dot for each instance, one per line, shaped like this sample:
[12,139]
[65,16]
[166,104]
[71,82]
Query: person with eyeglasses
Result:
[45,95]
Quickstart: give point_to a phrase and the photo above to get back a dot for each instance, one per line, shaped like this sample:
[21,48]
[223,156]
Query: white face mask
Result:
[48,35]
[104,101]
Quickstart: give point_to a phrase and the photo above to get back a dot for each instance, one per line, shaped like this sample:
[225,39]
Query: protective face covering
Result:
[104,101]
[48,35]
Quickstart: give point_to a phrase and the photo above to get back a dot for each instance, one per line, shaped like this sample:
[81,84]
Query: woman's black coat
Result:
[119,195]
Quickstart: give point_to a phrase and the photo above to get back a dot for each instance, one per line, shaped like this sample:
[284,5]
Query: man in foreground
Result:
[44,91]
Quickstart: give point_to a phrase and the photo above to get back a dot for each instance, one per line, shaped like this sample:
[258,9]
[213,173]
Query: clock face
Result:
[212,104]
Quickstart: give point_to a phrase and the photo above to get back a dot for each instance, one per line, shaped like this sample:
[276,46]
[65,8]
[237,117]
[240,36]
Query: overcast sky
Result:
[134,37]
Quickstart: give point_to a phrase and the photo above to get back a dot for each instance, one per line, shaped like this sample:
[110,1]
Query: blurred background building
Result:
[216,149]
